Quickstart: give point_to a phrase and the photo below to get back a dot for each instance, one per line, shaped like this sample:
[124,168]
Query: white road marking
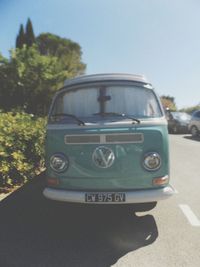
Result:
[192,218]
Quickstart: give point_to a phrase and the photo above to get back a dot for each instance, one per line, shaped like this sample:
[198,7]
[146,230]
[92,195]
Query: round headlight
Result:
[152,161]
[59,162]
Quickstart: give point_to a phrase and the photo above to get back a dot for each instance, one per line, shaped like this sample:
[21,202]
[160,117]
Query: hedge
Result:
[21,147]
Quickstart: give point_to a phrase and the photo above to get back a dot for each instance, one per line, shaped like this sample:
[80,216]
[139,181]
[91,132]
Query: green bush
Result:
[21,147]
[190,110]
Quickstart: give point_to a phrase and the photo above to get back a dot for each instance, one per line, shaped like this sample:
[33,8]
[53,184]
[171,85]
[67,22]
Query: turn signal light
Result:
[161,181]
[52,181]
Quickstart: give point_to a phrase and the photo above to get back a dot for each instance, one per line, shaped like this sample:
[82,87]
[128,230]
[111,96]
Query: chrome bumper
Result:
[137,196]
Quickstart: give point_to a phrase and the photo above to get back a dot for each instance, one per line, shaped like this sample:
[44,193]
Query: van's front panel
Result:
[89,169]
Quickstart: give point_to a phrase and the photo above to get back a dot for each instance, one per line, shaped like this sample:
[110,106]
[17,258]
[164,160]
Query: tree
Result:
[29,80]
[3,60]
[190,110]
[68,52]
[29,35]
[26,37]
[20,40]
[36,69]
[168,102]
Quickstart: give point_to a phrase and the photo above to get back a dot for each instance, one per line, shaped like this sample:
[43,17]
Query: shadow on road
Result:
[35,232]
[190,137]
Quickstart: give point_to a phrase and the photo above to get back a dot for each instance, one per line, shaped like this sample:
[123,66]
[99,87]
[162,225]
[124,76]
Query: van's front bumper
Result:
[137,196]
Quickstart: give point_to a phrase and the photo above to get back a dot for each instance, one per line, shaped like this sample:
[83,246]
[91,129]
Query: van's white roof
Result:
[107,77]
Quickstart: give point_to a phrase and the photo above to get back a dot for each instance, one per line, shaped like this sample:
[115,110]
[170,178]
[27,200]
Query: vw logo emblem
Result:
[103,157]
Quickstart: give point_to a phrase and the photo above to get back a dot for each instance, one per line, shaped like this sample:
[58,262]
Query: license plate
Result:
[105,197]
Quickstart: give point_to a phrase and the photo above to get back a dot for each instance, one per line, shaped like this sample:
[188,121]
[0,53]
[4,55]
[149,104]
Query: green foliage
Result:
[2,60]
[25,37]
[35,70]
[20,40]
[29,80]
[68,52]
[190,110]
[168,102]
[29,35]
[21,147]
[32,74]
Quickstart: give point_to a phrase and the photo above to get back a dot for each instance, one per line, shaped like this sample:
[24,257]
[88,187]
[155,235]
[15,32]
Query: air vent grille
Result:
[104,139]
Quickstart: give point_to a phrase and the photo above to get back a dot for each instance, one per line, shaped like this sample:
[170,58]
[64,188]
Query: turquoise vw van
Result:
[107,142]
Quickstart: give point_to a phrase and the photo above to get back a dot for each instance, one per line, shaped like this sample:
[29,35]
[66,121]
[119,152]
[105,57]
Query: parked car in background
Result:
[178,122]
[194,125]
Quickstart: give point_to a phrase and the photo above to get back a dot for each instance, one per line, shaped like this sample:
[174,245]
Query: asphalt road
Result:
[35,232]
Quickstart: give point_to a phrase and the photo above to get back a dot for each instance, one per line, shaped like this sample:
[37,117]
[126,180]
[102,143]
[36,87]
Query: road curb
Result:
[3,196]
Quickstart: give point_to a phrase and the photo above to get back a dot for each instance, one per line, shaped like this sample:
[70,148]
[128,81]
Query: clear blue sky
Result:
[158,38]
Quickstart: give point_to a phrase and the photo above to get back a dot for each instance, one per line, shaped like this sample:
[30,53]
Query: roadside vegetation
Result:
[34,71]
[168,102]
[190,110]
[21,148]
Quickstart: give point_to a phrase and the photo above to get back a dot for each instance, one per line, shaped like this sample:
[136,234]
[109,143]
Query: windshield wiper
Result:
[117,114]
[80,122]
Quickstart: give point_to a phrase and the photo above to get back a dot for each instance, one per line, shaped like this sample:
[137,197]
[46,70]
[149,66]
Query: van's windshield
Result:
[92,102]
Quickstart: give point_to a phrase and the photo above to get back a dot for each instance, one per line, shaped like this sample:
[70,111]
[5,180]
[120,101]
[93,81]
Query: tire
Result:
[194,131]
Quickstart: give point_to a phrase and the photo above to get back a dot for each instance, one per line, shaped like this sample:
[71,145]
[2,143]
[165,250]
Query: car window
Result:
[130,100]
[196,114]
[181,116]
[82,102]
[140,102]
